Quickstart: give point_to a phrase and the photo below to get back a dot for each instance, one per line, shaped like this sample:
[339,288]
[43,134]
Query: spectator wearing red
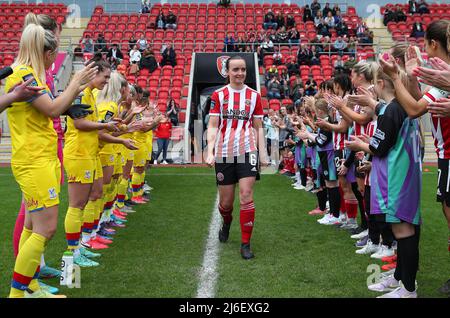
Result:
[288,163]
[163,132]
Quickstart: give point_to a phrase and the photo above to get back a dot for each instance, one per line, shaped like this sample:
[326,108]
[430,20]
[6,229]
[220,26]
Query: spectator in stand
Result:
[326,10]
[336,9]
[145,7]
[279,19]
[388,16]
[314,56]
[326,44]
[284,81]
[294,36]
[315,8]
[241,45]
[292,67]
[169,57]
[224,3]
[88,44]
[337,17]
[282,36]
[172,112]
[277,57]
[339,65]
[303,55]
[352,45]
[320,24]
[368,37]
[143,44]
[399,15]
[316,42]
[417,30]
[131,43]
[160,21]
[340,45]
[135,55]
[100,44]
[307,14]
[269,20]
[342,29]
[361,30]
[114,56]
[271,73]
[296,88]
[274,88]
[310,86]
[413,7]
[163,132]
[148,61]
[272,36]
[229,44]
[267,46]
[171,21]
[423,7]
[290,22]
[348,65]
[329,20]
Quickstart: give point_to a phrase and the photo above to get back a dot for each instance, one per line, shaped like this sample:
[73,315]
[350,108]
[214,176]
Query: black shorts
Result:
[338,158]
[443,185]
[231,170]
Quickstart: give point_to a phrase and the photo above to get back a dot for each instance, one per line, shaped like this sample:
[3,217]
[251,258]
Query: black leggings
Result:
[377,225]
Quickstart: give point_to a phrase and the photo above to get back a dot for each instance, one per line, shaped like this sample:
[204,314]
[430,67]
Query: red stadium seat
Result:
[181,117]
[177,81]
[183,103]
[167,70]
[175,93]
[165,81]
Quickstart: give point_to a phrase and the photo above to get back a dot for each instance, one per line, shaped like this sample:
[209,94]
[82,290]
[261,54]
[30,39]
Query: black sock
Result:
[335,201]
[303,176]
[374,229]
[409,248]
[386,234]
[322,199]
[360,199]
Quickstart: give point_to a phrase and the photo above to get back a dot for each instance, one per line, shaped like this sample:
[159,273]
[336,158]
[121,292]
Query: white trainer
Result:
[331,221]
[324,219]
[360,235]
[370,248]
[384,251]
[386,284]
[299,187]
[400,292]
[165,162]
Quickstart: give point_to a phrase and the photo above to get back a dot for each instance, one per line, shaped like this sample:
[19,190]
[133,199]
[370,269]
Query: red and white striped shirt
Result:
[370,130]
[236,109]
[439,126]
[339,138]
[358,129]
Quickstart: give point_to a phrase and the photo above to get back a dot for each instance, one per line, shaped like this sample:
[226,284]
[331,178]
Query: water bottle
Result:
[66,268]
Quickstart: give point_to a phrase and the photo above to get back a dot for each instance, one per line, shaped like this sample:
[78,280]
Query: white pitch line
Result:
[208,275]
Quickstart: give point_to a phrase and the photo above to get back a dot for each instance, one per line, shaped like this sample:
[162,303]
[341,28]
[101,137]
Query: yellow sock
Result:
[88,220]
[72,225]
[135,183]
[142,179]
[26,233]
[27,261]
[121,192]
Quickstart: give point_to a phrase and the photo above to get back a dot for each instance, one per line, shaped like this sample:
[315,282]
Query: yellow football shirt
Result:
[82,144]
[32,134]
[106,112]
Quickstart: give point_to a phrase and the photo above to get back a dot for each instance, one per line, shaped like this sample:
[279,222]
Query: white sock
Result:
[42,261]
[297,177]
[76,252]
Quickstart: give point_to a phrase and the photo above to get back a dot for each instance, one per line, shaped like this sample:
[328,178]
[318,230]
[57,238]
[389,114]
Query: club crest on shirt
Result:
[87,174]
[248,102]
[221,65]
[52,193]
